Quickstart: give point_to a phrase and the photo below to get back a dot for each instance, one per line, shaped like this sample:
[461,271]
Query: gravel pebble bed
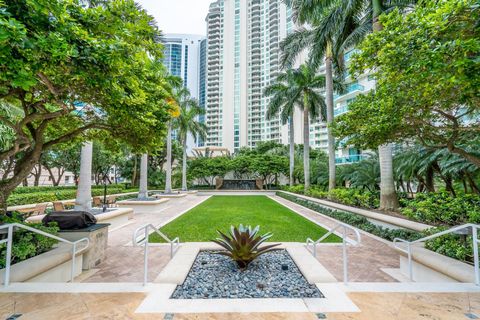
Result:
[214,276]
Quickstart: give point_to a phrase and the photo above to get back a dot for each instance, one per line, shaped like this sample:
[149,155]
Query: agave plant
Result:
[243,244]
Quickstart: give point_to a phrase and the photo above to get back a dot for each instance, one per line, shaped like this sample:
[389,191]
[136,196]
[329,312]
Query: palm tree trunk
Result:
[306,145]
[184,165]
[83,201]
[168,179]
[292,151]
[143,190]
[388,196]
[330,114]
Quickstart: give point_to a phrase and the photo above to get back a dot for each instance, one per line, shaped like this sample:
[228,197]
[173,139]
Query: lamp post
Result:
[104,193]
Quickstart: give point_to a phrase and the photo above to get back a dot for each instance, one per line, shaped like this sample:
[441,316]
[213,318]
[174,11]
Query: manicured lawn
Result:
[220,212]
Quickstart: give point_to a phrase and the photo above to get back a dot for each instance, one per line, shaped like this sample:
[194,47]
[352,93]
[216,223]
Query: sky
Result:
[178,16]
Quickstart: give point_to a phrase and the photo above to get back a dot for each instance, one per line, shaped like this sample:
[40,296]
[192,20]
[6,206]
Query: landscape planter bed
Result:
[272,275]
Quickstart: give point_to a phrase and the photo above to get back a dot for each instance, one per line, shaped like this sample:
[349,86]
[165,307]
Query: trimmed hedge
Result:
[441,208]
[348,196]
[453,246]
[58,194]
[23,190]
[355,220]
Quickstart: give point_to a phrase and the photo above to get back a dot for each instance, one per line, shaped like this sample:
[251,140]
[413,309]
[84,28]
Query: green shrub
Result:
[355,220]
[441,208]
[27,244]
[454,246]
[350,197]
[58,194]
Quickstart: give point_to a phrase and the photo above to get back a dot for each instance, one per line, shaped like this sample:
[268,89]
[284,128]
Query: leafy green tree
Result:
[207,169]
[427,80]
[54,55]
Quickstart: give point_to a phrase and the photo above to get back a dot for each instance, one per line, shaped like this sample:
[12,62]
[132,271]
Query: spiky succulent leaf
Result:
[243,244]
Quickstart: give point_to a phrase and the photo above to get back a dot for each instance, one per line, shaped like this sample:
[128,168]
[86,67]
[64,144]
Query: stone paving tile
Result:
[124,263]
[373,306]
[365,260]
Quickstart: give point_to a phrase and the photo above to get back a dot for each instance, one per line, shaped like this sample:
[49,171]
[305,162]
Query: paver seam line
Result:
[337,233]
[389,243]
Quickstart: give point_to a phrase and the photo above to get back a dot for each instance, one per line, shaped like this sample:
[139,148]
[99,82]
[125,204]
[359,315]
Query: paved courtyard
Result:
[124,264]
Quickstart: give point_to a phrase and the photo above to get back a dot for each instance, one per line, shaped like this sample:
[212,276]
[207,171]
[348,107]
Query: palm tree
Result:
[335,26]
[187,123]
[301,87]
[281,103]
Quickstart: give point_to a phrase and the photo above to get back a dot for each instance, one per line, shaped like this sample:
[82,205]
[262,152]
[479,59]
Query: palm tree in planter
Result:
[336,26]
[188,123]
[302,88]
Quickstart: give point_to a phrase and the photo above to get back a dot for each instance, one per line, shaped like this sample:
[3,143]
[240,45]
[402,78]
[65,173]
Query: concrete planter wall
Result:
[52,266]
[139,207]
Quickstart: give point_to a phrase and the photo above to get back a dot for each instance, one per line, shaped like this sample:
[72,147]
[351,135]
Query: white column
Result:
[168,169]
[83,202]
[143,176]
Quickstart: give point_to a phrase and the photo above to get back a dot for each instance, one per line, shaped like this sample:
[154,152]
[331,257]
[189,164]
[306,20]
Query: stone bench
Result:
[429,266]
[51,266]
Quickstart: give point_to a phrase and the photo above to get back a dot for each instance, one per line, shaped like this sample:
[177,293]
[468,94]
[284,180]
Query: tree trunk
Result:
[37,174]
[449,185]
[330,116]
[134,172]
[292,152]
[306,146]
[184,165]
[143,192]
[168,179]
[83,201]
[388,196]
[429,175]
[25,182]
[472,183]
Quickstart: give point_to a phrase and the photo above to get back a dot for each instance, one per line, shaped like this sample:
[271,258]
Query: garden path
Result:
[365,260]
[124,263]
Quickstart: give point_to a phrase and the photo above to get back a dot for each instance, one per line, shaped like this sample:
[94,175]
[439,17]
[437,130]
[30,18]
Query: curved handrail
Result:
[9,241]
[345,239]
[174,244]
[409,244]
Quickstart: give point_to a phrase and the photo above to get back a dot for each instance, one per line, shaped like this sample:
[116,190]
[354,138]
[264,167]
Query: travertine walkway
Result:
[365,260]
[124,263]
[373,306]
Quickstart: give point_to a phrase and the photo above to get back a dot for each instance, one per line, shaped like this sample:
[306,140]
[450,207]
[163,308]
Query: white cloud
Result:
[178,16]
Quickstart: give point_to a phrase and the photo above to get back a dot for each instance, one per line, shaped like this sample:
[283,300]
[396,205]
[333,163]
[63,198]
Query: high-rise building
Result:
[243,52]
[185,57]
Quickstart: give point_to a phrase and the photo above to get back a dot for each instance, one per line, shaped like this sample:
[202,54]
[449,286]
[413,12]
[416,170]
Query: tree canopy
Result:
[67,67]
[427,67]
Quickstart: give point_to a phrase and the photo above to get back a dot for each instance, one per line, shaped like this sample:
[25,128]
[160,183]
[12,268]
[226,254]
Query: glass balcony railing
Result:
[341,110]
[349,159]
[350,88]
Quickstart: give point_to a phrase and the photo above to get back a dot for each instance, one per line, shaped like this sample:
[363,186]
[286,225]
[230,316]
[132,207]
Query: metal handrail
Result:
[475,241]
[174,244]
[345,227]
[9,242]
